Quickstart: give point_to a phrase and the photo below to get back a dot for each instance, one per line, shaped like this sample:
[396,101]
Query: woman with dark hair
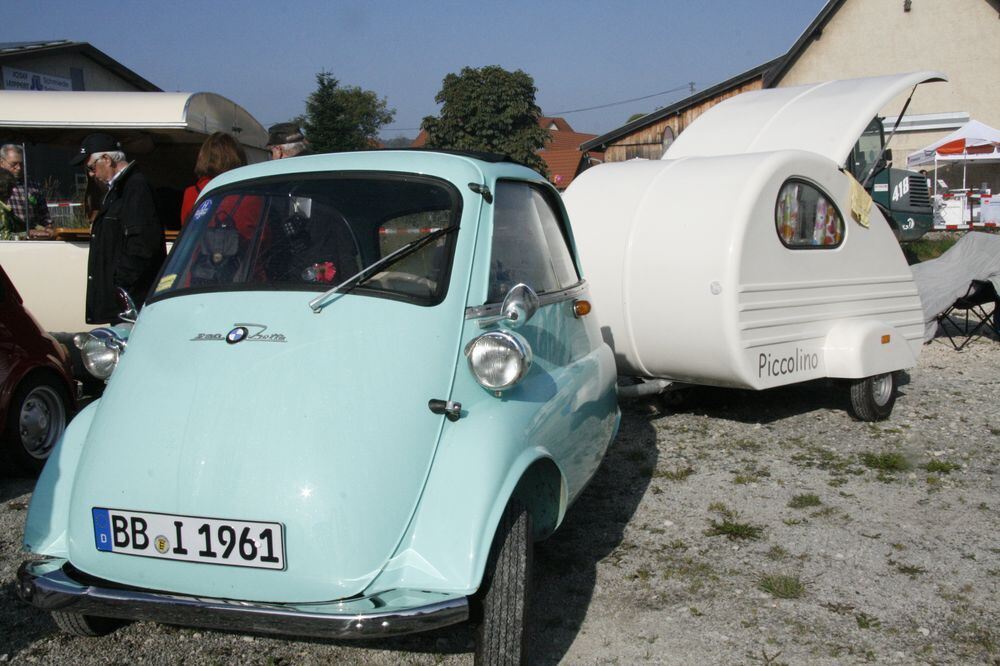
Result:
[220,153]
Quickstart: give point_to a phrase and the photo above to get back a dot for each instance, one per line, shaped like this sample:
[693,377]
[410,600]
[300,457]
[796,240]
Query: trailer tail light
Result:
[885,339]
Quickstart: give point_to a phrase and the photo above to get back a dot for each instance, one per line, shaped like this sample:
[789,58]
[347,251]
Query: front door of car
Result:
[531,245]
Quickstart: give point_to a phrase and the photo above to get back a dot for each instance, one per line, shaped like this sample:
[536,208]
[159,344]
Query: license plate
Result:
[237,543]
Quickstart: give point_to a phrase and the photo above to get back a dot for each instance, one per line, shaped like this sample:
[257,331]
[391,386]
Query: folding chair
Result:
[970,327]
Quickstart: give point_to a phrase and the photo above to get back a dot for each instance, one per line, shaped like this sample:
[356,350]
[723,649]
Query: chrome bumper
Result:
[52,586]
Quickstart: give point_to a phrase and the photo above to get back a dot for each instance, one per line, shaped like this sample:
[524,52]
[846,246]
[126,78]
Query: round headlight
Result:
[99,353]
[498,359]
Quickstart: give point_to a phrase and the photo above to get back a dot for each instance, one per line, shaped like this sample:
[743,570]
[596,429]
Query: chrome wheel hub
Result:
[882,389]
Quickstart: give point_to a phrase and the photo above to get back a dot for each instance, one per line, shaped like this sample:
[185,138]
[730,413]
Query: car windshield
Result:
[867,149]
[310,233]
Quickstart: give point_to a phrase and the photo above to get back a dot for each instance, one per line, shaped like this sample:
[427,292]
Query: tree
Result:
[343,118]
[489,109]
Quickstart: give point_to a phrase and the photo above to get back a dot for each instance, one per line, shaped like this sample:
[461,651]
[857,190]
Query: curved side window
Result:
[806,218]
[529,243]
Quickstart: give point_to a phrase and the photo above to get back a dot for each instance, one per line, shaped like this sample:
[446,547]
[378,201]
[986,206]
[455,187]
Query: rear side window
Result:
[806,218]
[529,243]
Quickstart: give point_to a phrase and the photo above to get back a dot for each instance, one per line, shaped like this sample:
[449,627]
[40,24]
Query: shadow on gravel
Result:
[21,626]
[771,405]
[566,563]
[15,486]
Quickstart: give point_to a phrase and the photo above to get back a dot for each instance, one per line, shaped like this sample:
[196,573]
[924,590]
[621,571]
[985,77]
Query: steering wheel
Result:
[408,283]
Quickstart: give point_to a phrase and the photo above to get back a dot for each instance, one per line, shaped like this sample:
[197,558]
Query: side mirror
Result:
[129,312]
[520,305]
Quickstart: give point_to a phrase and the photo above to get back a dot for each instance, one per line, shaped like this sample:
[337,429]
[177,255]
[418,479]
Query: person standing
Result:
[219,153]
[29,205]
[286,140]
[126,239]
[7,229]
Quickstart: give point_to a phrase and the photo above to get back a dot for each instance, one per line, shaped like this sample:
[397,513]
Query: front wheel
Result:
[501,635]
[872,398]
[86,625]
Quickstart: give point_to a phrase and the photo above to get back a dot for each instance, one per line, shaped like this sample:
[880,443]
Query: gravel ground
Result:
[739,527]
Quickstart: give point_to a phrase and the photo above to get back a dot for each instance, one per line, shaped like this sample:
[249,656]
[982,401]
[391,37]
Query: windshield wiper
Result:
[317,303]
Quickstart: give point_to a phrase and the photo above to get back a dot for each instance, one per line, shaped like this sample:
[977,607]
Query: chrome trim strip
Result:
[493,309]
[49,587]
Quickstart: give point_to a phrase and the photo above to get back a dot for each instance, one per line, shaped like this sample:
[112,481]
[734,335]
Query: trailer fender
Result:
[856,349]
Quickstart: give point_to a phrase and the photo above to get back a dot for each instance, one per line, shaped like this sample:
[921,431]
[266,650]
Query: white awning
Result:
[180,117]
[825,118]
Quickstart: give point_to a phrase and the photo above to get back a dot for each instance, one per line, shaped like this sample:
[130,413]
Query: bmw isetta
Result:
[362,386]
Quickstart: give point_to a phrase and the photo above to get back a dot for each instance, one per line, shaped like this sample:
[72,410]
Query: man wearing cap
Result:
[126,238]
[286,140]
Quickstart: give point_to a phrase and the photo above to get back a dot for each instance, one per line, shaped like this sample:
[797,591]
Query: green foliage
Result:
[492,110]
[926,249]
[782,587]
[342,118]
[804,501]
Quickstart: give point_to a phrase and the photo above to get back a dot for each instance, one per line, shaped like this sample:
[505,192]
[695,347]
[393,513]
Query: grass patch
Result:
[733,530]
[804,501]
[777,553]
[676,474]
[910,570]
[941,467]
[887,461]
[866,621]
[751,474]
[926,249]
[781,586]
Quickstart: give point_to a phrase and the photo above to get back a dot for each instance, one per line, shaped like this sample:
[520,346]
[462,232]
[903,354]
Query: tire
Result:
[86,625]
[36,417]
[872,398]
[504,596]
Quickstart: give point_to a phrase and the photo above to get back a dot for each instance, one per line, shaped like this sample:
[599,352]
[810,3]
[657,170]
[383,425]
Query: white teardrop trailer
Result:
[735,260]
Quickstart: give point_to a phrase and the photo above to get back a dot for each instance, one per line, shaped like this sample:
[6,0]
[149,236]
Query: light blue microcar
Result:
[362,386]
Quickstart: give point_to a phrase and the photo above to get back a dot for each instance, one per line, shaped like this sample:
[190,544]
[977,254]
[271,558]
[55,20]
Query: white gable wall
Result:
[873,37]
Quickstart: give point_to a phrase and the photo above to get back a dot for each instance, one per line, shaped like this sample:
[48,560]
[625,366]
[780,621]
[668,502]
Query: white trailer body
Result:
[692,280]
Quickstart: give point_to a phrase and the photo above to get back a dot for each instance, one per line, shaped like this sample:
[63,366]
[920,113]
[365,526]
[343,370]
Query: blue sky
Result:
[265,55]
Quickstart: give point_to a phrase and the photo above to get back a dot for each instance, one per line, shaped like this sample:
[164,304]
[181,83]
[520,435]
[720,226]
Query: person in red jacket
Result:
[220,153]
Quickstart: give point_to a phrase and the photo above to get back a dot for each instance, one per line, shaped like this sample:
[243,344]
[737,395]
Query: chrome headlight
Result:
[498,359]
[100,350]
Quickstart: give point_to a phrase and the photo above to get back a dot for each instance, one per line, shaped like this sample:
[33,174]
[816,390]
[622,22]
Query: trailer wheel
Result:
[86,625]
[500,638]
[872,398]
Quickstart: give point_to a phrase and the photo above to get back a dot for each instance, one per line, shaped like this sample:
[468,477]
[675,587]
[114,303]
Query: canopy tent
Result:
[972,142]
[139,119]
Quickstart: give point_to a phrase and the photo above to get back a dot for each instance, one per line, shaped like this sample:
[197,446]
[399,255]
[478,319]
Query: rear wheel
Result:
[504,596]
[36,418]
[872,398]
[86,625]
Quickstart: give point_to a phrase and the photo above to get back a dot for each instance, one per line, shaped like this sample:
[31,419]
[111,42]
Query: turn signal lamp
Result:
[581,308]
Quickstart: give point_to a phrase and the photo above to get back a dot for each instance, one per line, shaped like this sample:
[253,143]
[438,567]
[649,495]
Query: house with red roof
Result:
[562,154]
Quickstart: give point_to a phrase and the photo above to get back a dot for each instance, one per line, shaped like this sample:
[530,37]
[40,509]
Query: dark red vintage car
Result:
[37,390]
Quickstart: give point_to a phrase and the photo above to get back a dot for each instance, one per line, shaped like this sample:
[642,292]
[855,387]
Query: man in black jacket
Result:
[126,239]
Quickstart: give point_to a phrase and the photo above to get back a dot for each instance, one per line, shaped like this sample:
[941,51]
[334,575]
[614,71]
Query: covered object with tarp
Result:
[942,281]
